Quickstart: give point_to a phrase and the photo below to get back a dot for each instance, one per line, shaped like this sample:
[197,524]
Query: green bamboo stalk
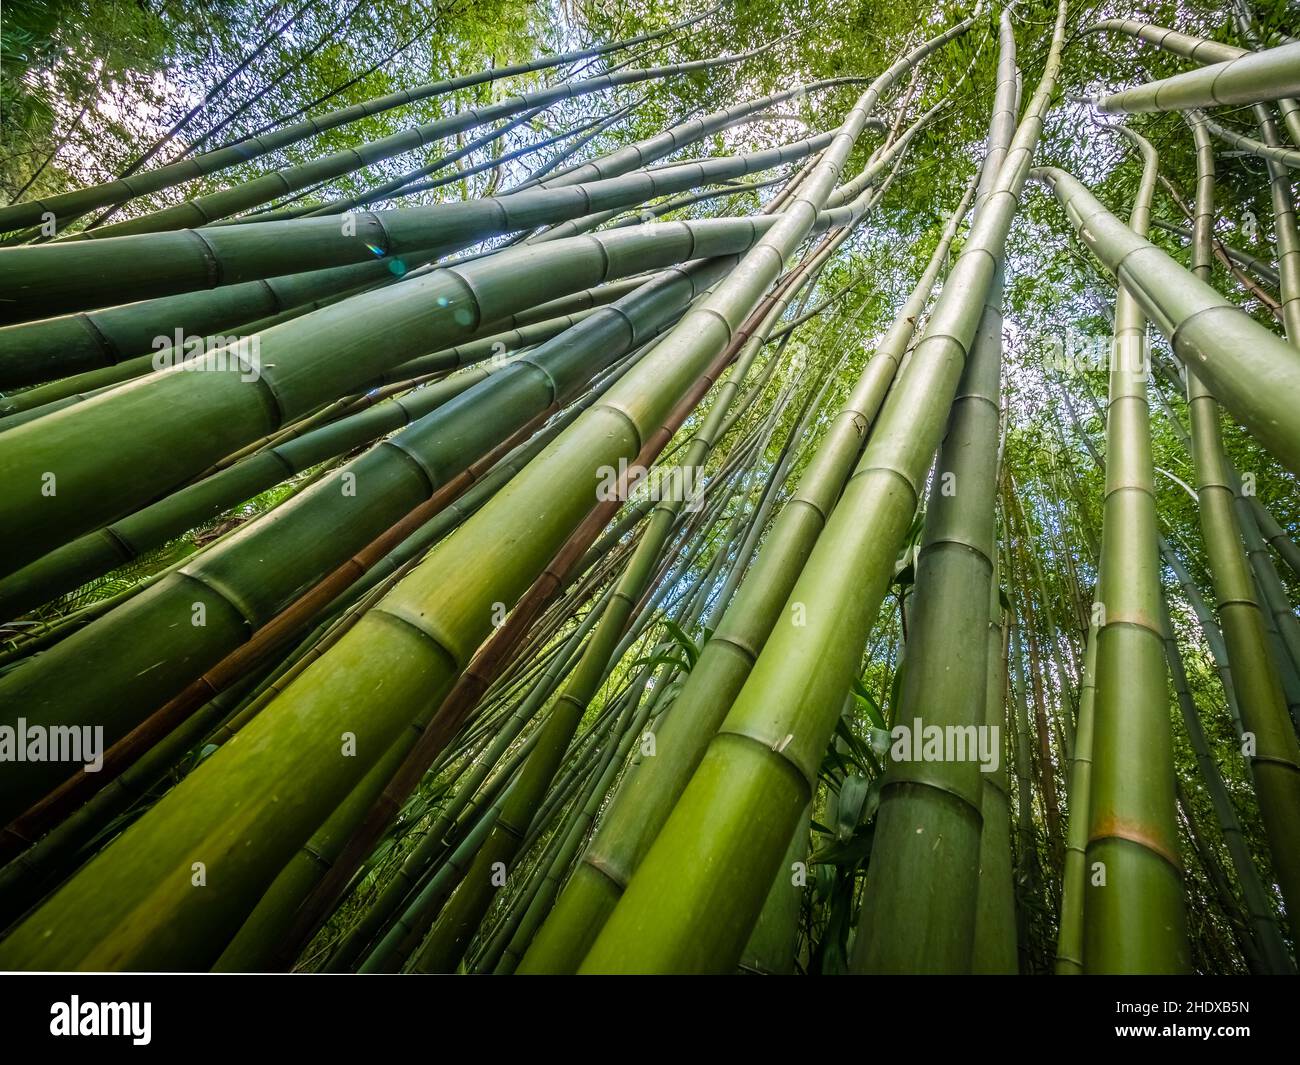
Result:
[243,585]
[125,540]
[47,859]
[169,426]
[885,163]
[758,521]
[543,893]
[425,907]
[994,949]
[925,858]
[394,948]
[693,900]
[1248,367]
[1280,622]
[645,800]
[509,942]
[414,920]
[1195,48]
[1211,942]
[1069,941]
[489,345]
[1230,262]
[641,153]
[1204,616]
[71,205]
[543,901]
[1258,912]
[685,200]
[1069,944]
[408,184]
[1255,265]
[629,157]
[1273,152]
[770,950]
[1256,77]
[1276,536]
[467,906]
[66,391]
[55,347]
[416,641]
[53,279]
[75,343]
[1279,617]
[1027,865]
[685,614]
[399,561]
[813,311]
[1213,636]
[435,838]
[1037,694]
[1133,910]
[517,803]
[503,921]
[1284,226]
[1276,754]
[586,223]
[1198,50]
[433,891]
[254,946]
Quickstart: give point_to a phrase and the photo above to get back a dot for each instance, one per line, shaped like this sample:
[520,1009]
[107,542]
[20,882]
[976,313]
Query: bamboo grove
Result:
[779,487]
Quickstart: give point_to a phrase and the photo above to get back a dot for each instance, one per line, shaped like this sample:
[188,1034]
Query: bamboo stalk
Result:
[1134,919]
[241,592]
[1199,50]
[1069,942]
[125,540]
[432,633]
[929,827]
[1248,367]
[645,801]
[1284,226]
[171,425]
[59,278]
[1276,755]
[467,906]
[1273,152]
[1256,77]
[1258,912]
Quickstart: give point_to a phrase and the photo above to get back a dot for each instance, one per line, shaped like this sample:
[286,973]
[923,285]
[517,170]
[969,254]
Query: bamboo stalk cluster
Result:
[399,686]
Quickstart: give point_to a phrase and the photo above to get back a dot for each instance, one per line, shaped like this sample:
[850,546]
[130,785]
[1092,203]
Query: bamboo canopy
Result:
[203,210]
[72,205]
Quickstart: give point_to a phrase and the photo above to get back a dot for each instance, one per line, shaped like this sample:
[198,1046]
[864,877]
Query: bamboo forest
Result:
[787,487]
